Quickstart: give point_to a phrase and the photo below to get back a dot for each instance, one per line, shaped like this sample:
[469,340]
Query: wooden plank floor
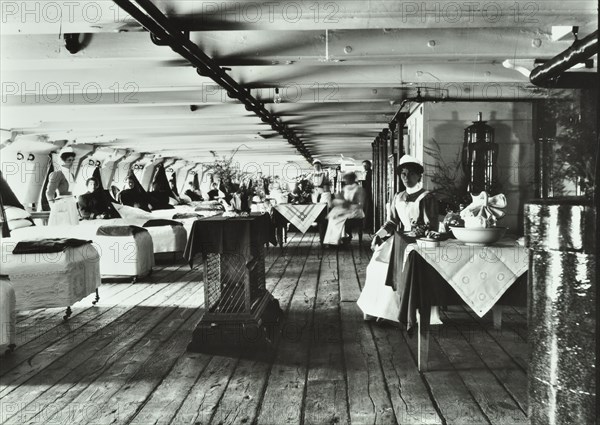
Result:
[124,361]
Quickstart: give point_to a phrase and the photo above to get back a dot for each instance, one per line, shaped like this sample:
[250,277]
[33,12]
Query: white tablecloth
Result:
[301,216]
[479,274]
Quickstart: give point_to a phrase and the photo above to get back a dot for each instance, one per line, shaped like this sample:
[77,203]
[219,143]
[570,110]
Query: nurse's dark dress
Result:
[419,208]
[377,299]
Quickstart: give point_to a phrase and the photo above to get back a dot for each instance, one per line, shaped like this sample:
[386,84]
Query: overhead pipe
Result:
[551,73]
[162,30]
[420,99]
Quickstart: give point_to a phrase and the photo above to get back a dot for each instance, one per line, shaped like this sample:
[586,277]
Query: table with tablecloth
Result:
[301,216]
[454,274]
[235,294]
[218,234]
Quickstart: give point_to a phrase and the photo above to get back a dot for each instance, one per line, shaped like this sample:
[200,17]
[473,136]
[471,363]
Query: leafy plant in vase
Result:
[448,179]
[227,172]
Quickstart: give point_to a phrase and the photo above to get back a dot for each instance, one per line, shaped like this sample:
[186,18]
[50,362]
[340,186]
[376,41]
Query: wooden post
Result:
[423,346]
[383,186]
[376,179]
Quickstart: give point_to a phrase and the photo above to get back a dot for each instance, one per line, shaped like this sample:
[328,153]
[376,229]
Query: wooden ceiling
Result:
[341,69]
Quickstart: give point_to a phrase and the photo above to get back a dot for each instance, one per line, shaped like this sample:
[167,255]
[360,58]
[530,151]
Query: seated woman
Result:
[159,198]
[242,198]
[412,207]
[302,193]
[214,193]
[347,205]
[134,196]
[95,203]
[193,193]
[228,188]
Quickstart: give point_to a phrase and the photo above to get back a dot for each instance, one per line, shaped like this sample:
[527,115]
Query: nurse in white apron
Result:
[63,205]
[379,297]
[321,184]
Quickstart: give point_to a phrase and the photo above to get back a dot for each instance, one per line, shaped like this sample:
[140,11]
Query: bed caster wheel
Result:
[134,279]
[67,314]
[11,349]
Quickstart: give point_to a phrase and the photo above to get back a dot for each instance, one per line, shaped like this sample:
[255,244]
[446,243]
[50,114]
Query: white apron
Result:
[336,219]
[409,211]
[63,211]
[377,299]
[64,208]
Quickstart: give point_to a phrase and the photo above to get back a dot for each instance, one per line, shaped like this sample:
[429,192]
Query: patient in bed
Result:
[95,203]
[134,197]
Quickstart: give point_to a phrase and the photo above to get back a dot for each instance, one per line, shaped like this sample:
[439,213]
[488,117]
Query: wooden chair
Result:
[356,224]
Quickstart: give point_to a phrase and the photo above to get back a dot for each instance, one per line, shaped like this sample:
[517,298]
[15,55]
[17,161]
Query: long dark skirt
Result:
[394,277]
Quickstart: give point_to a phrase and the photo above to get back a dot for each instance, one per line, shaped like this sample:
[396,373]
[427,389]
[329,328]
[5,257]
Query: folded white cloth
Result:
[484,210]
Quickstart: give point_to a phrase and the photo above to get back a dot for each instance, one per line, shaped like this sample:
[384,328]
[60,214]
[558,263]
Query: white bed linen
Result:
[164,238]
[51,279]
[8,318]
[179,209]
[164,242]
[119,255]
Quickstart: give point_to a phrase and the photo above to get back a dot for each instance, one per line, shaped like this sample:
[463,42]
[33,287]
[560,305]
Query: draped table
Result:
[302,216]
[238,308]
[483,277]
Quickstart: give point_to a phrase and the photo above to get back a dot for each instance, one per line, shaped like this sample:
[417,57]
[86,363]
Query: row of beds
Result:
[34,277]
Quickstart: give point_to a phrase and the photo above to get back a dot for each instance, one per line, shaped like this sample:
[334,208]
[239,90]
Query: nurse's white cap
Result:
[407,159]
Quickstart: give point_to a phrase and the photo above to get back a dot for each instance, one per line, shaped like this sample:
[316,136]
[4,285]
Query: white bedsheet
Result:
[131,214]
[51,279]
[8,317]
[119,255]
[164,238]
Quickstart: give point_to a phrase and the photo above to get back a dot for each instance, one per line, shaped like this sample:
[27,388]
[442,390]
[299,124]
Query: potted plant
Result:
[228,173]
[575,147]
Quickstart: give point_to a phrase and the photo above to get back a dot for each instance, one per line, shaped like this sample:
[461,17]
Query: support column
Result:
[376,179]
[383,194]
[561,236]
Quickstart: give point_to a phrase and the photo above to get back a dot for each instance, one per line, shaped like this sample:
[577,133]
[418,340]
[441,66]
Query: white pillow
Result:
[14,213]
[17,224]
[131,212]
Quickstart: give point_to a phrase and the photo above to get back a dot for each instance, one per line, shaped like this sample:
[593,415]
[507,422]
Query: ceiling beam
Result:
[147,14]
[233,48]
[41,17]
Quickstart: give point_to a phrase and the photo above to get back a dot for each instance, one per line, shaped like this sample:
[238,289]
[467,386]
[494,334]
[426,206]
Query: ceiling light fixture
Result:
[76,42]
